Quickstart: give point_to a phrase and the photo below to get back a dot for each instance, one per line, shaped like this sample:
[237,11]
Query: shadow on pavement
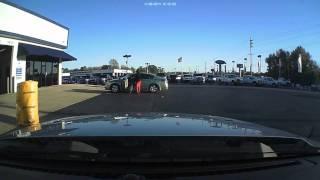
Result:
[7,119]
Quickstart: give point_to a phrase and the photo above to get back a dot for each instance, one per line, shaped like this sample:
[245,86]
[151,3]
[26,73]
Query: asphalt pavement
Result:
[291,110]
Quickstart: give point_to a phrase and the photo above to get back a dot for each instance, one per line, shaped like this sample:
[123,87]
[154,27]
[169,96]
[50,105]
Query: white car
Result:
[229,79]
[283,82]
[250,80]
[199,79]
[268,81]
[187,78]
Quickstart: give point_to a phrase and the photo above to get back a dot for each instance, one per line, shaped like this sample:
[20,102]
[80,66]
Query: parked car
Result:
[211,78]
[178,78]
[198,79]
[187,78]
[150,83]
[250,80]
[269,81]
[283,82]
[229,79]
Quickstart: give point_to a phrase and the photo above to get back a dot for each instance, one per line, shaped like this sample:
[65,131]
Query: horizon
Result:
[198,31]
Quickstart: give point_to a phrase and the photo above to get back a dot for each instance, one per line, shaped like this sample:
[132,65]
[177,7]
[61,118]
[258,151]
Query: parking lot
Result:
[291,110]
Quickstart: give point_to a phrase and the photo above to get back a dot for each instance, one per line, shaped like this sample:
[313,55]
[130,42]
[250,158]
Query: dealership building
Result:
[31,48]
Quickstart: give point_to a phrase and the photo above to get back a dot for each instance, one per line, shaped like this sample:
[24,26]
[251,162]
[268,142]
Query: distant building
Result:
[103,73]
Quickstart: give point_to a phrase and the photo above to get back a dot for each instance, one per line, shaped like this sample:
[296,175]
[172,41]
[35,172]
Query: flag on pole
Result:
[179,59]
[300,64]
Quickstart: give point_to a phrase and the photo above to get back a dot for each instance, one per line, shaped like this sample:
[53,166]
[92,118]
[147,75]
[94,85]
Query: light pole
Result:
[245,65]
[147,67]
[127,58]
[233,66]
[259,64]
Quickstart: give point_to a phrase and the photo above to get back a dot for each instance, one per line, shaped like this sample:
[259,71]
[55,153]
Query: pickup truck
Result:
[229,79]
[250,80]
[187,78]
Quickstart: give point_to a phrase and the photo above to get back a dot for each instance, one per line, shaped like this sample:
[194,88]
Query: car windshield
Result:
[244,73]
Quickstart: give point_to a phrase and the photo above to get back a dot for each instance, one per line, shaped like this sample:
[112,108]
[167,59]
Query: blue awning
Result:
[32,50]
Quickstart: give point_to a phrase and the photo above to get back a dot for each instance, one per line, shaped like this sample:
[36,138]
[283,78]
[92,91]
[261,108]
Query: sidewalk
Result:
[51,99]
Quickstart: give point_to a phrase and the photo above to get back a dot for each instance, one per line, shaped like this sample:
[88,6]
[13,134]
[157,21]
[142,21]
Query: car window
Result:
[146,76]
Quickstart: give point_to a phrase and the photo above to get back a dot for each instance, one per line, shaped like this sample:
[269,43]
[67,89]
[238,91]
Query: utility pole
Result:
[259,64]
[233,66]
[147,67]
[250,55]
[205,67]
[245,65]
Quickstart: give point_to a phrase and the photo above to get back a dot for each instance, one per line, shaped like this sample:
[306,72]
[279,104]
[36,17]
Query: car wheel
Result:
[115,88]
[255,84]
[153,88]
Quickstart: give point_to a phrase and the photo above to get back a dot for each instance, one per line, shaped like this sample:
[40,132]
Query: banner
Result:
[300,64]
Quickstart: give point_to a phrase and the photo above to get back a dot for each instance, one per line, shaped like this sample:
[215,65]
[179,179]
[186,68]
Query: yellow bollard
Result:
[27,104]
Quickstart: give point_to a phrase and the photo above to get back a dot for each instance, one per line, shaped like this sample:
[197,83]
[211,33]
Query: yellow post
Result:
[27,104]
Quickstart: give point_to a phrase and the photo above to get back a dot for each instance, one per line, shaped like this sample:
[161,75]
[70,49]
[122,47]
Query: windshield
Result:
[256,62]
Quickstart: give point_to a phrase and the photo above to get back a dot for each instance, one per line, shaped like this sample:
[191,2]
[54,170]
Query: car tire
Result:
[115,88]
[153,88]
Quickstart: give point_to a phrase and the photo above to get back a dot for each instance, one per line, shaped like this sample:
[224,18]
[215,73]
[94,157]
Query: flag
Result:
[300,64]
[179,59]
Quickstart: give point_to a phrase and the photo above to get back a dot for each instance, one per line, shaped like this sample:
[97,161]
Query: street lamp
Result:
[245,64]
[259,63]
[127,57]
[233,66]
[147,67]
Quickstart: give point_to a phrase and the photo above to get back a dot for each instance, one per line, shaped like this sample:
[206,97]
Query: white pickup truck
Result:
[229,79]
[187,78]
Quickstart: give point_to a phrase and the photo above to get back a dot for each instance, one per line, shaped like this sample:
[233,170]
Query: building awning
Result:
[32,50]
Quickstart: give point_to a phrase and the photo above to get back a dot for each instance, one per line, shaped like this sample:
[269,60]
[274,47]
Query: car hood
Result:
[148,124]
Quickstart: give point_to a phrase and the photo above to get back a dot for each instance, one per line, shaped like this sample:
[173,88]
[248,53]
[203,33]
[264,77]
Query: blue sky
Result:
[198,30]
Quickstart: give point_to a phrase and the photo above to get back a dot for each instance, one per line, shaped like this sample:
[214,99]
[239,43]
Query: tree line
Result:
[285,64]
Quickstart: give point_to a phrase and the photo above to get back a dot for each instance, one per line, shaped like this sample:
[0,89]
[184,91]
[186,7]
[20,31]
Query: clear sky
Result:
[198,30]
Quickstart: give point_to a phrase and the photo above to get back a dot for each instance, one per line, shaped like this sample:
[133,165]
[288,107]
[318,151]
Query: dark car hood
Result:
[149,124]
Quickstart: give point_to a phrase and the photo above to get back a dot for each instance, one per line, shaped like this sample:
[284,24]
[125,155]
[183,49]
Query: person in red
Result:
[138,85]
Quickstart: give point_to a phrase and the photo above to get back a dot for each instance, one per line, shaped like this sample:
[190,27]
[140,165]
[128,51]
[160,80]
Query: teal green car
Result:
[150,83]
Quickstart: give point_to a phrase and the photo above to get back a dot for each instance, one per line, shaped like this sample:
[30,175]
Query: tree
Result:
[106,67]
[152,69]
[65,70]
[309,67]
[114,64]
[289,66]
[125,67]
[133,69]
[83,68]
[274,64]
[141,69]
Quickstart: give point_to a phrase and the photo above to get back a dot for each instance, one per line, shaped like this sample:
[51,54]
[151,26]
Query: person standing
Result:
[138,84]
[132,83]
